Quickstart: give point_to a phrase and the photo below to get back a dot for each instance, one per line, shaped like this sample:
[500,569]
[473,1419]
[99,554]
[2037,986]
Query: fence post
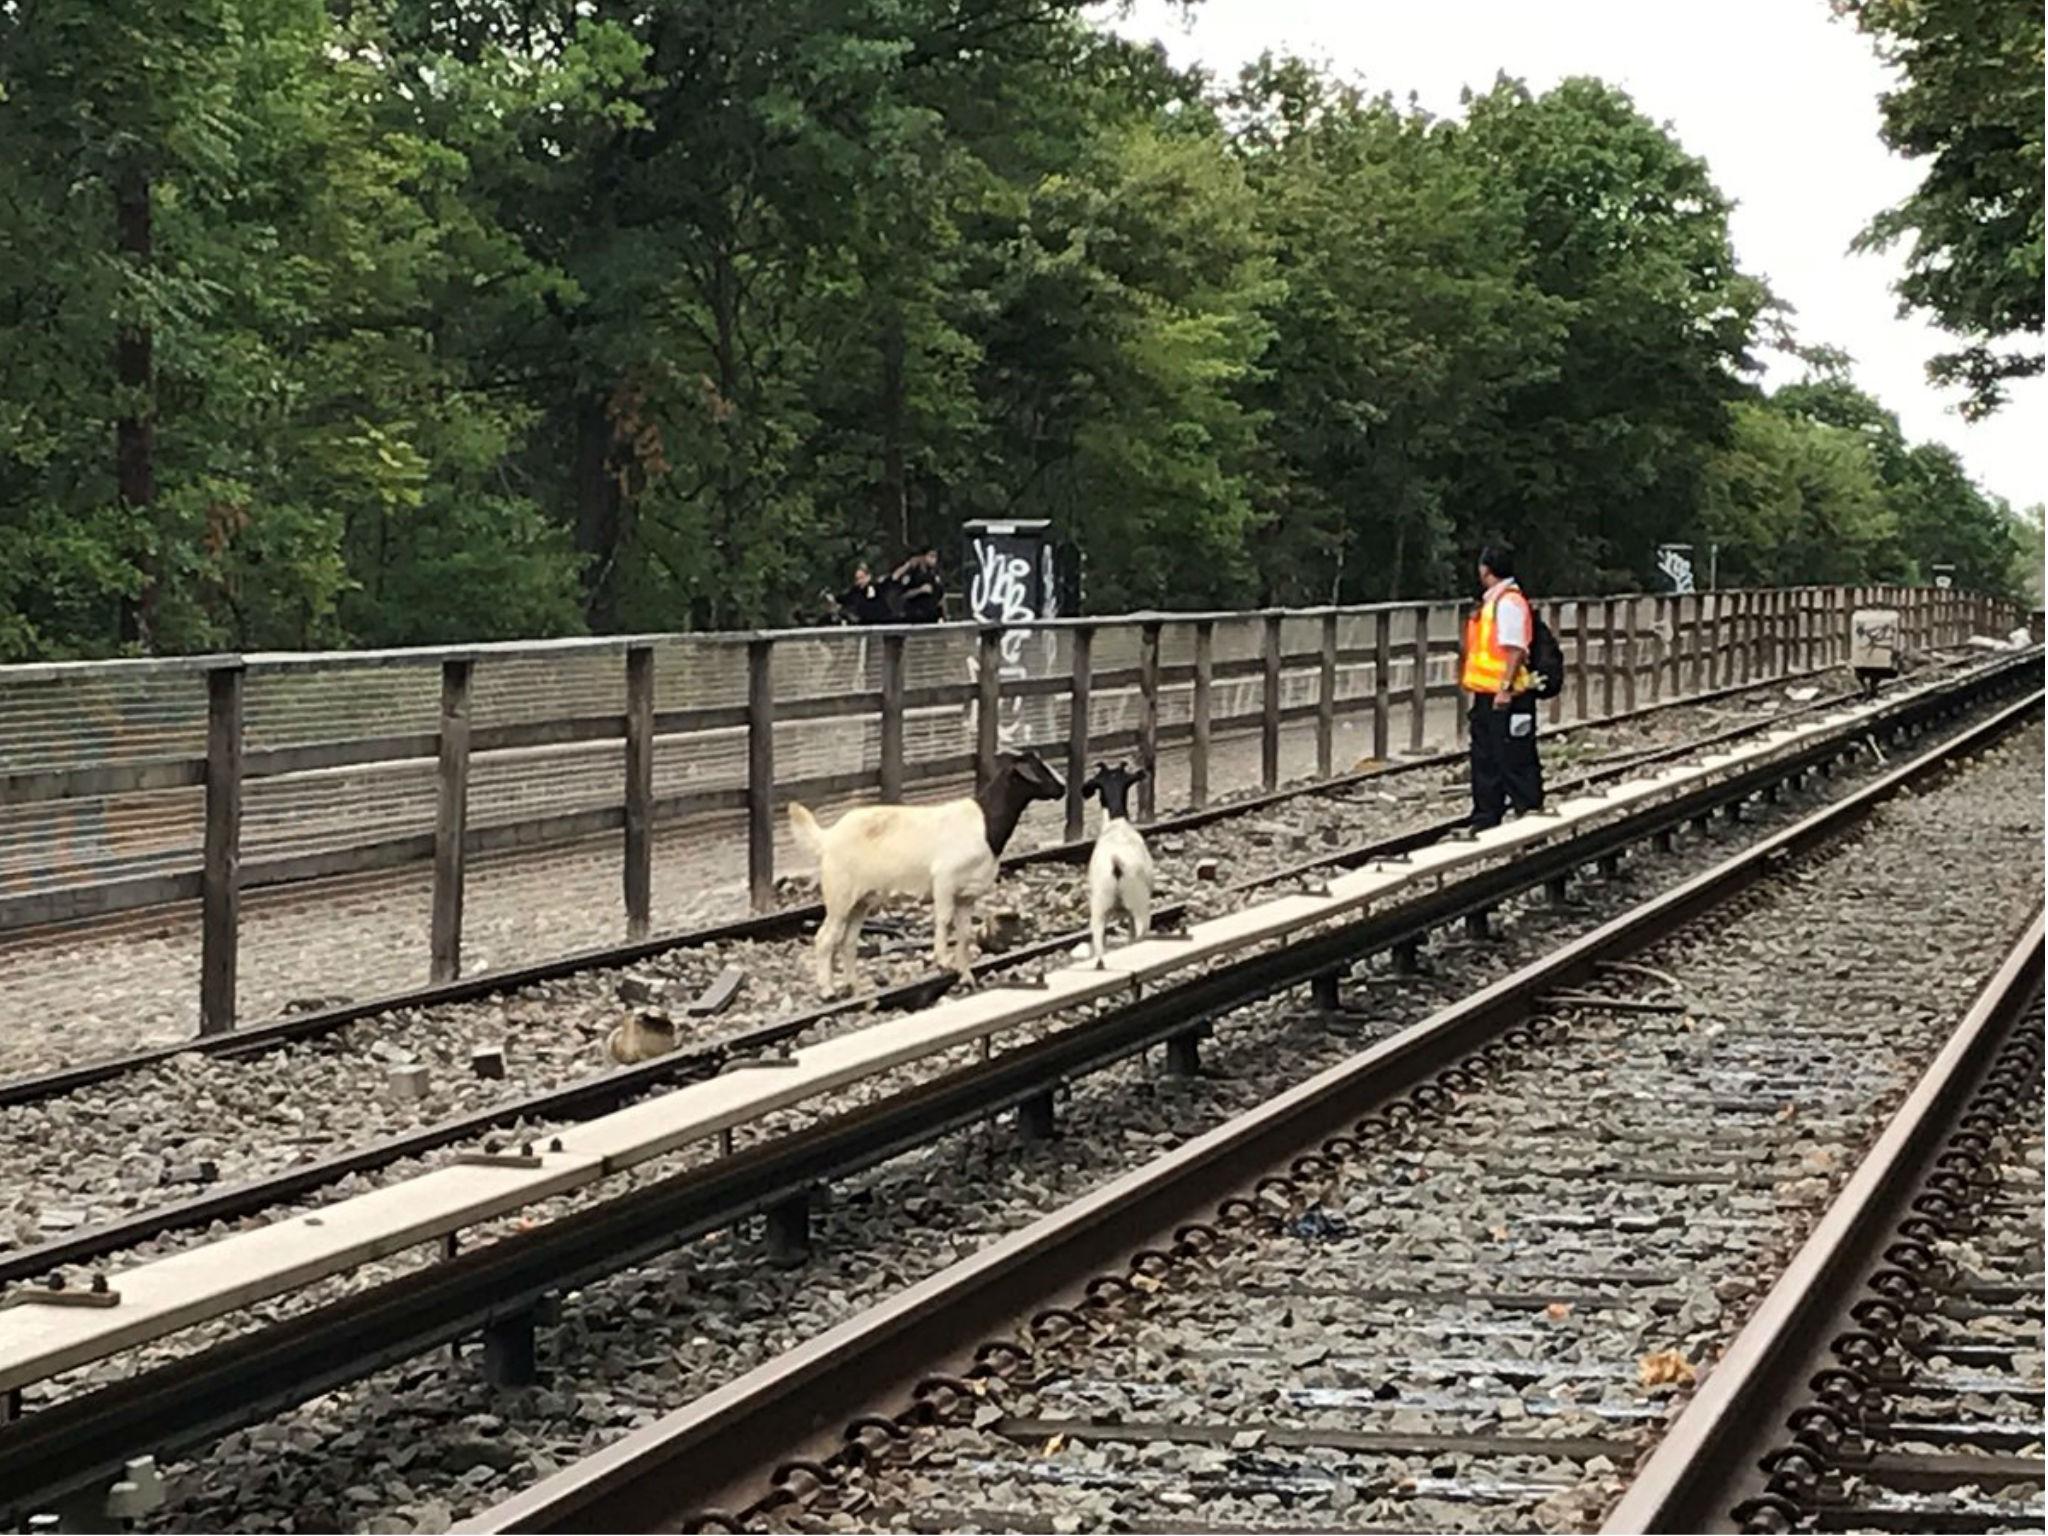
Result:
[1198,713]
[1607,615]
[1632,609]
[892,717]
[761,774]
[1382,662]
[1418,685]
[1081,690]
[639,789]
[988,705]
[1557,698]
[1461,712]
[1582,670]
[1664,652]
[1269,721]
[220,879]
[1148,718]
[451,819]
[1697,647]
[1326,700]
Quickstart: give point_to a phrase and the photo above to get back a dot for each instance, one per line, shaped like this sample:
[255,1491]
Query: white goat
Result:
[948,852]
[1120,868]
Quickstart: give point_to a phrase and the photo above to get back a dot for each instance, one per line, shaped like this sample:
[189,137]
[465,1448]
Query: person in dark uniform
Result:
[1497,637]
[921,590]
[863,602]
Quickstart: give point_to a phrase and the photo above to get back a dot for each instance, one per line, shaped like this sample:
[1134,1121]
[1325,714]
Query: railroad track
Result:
[1457,1282]
[270,1105]
[1892,1379]
[183,1404]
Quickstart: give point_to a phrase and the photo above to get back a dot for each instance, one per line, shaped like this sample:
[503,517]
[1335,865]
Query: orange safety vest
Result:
[1486,663]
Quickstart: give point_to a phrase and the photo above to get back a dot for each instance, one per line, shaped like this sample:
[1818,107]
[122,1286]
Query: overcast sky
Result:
[1778,98]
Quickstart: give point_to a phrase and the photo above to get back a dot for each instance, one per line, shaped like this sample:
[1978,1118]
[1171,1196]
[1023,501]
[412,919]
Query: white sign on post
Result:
[1011,583]
[1874,640]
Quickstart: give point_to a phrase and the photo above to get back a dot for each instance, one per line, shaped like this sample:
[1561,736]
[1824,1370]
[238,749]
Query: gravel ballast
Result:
[650,1339]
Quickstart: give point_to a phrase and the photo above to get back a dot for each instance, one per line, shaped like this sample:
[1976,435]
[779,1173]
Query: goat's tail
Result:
[805,828]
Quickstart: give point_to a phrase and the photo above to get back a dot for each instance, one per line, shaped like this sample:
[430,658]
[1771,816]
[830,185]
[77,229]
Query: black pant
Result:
[1504,765]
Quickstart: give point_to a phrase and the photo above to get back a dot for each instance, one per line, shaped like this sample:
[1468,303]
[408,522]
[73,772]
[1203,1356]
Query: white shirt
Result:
[1510,620]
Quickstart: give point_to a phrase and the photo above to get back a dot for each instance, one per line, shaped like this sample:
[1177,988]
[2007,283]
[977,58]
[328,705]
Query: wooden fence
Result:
[841,705]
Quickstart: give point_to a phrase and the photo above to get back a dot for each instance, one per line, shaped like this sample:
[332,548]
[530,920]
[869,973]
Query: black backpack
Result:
[1545,659]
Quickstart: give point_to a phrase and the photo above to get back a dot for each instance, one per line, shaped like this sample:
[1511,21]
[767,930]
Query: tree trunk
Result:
[895,483]
[135,432]
[597,513]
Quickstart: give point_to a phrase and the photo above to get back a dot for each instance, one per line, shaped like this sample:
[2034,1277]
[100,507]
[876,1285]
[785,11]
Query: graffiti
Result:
[1675,565]
[999,592]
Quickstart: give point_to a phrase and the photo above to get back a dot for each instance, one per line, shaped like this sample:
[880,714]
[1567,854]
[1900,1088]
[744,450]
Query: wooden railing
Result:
[1618,649]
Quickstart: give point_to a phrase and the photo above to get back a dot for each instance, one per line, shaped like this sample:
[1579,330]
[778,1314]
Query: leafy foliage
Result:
[402,321]
[1971,104]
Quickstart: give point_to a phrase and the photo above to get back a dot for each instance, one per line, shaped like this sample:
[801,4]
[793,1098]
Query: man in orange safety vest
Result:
[1497,637]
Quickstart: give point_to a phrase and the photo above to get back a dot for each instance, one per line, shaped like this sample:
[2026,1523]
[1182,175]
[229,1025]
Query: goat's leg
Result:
[826,946]
[942,919]
[1098,922]
[963,941]
[1138,902]
[848,954]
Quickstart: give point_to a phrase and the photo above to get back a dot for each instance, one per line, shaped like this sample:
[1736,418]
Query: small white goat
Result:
[1120,868]
[948,852]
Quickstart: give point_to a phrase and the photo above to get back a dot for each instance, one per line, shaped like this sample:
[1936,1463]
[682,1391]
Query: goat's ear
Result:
[1141,775]
[1091,786]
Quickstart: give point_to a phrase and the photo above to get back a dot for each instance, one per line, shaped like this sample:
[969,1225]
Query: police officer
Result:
[1497,637]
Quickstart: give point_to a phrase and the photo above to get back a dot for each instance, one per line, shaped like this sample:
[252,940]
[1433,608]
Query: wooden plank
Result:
[1382,668]
[639,849]
[1082,689]
[451,818]
[105,779]
[221,872]
[1148,718]
[1269,729]
[1198,753]
[892,717]
[988,702]
[1326,700]
[837,706]
[761,774]
[691,722]
[1418,684]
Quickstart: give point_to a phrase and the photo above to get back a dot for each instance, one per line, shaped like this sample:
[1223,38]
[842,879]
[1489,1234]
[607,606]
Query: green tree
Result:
[1792,500]
[1970,104]
[1604,458]
[1402,328]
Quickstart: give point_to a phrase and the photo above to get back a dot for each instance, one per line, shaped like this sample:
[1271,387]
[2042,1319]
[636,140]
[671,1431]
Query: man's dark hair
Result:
[1499,559]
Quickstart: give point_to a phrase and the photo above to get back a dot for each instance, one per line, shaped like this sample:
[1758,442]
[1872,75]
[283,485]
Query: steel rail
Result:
[784,923]
[186,1403]
[1708,1472]
[189,1402]
[604,1092]
[796,1411]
